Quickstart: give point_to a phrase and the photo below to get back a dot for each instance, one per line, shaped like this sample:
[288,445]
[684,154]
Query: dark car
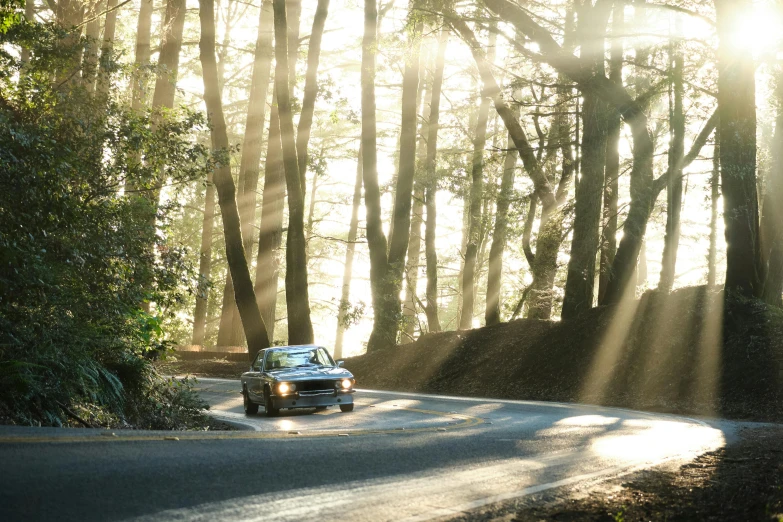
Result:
[291,377]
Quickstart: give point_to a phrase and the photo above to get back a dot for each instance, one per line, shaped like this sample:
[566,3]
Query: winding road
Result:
[396,457]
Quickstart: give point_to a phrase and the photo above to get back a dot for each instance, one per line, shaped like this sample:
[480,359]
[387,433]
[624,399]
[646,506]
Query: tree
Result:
[386,270]
[270,235]
[771,216]
[612,168]
[475,198]
[350,249]
[587,213]
[300,328]
[142,55]
[675,184]
[253,324]
[431,186]
[737,108]
[230,331]
[632,113]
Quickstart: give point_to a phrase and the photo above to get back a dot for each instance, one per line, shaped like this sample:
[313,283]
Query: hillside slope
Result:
[682,353]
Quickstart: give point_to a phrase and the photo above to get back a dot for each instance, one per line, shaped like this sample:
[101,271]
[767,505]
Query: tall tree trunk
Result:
[737,108]
[612,169]
[310,90]
[495,271]
[300,328]
[412,266]
[772,216]
[230,330]
[350,249]
[410,305]
[270,235]
[68,16]
[107,47]
[255,330]
[205,265]
[142,57]
[475,197]
[168,61]
[431,186]
[675,184]
[386,270]
[93,33]
[29,15]
[712,257]
[580,280]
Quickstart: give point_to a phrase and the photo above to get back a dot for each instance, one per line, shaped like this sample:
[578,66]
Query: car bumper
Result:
[312,401]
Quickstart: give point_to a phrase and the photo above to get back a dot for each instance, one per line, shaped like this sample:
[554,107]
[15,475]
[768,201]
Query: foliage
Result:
[79,259]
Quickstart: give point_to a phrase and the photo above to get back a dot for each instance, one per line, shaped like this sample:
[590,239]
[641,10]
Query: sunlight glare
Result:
[758,31]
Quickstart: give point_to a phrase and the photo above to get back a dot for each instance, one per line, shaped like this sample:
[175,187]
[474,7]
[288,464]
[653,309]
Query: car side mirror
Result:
[340,364]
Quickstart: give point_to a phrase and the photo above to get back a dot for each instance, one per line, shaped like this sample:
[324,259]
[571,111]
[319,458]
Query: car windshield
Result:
[296,358]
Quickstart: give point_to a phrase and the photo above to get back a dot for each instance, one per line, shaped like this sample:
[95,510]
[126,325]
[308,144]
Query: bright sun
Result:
[759,30]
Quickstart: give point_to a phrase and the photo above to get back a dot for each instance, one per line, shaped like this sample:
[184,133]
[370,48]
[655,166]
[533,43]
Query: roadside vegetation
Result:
[80,258]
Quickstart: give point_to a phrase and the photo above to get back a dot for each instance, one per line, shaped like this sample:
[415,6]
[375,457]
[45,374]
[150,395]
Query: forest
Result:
[362,174]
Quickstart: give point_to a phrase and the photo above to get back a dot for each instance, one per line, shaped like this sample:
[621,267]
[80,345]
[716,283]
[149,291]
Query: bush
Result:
[81,258]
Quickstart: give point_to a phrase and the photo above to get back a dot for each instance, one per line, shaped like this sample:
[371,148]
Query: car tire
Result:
[251,408]
[345,408]
[270,410]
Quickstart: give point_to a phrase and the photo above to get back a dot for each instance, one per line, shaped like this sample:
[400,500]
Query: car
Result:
[289,377]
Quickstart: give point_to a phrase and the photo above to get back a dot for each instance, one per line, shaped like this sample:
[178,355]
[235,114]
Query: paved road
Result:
[396,457]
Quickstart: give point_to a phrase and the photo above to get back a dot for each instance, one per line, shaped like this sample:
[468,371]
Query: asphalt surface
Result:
[395,457]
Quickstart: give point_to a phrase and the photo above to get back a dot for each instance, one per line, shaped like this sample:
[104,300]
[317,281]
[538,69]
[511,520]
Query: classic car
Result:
[291,377]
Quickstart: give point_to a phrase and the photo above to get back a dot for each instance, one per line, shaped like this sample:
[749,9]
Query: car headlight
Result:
[346,384]
[285,387]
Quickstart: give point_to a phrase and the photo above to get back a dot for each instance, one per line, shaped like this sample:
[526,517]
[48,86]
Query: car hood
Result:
[304,374]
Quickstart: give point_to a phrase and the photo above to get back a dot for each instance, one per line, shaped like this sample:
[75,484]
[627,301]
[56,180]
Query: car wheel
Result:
[251,408]
[345,408]
[271,411]
[320,408]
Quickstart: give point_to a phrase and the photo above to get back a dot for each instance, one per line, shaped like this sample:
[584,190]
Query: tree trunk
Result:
[412,267]
[675,184]
[300,328]
[270,235]
[310,90]
[107,47]
[494,275]
[142,57]
[349,253]
[580,280]
[772,216]
[29,15]
[737,107]
[612,169]
[205,265]
[386,271]
[92,33]
[254,327]
[712,257]
[431,188]
[230,330]
[476,194]
[168,62]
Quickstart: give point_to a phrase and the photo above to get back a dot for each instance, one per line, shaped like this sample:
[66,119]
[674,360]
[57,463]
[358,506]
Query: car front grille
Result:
[316,386]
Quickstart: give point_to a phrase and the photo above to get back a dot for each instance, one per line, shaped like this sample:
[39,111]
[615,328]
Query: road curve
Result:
[396,457]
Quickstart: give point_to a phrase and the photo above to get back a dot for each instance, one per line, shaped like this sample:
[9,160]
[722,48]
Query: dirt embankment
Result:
[684,353]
